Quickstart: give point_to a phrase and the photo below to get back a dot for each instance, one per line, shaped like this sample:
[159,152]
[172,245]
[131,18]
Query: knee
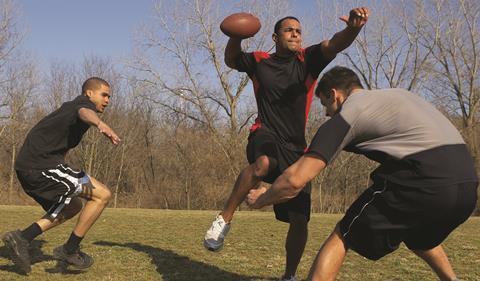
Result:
[105,195]
[261,166]
[102,193]
[71,210]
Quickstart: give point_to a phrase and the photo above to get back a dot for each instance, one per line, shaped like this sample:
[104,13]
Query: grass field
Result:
[140,244]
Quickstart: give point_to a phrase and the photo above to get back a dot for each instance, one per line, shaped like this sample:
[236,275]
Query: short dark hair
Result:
[93,83]
[338,77]
[278,24]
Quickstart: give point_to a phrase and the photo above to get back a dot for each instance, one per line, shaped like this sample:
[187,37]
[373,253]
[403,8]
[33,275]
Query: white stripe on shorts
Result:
[364,206]
[66,168]
[68,181]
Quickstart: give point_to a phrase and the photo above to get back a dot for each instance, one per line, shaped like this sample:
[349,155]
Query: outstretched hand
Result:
[108,132]
[253,196]
[358,17]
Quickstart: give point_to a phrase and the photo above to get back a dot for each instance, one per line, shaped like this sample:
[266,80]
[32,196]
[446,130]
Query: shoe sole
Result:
[66,265]
[61,258]
[15,255]
[210,248]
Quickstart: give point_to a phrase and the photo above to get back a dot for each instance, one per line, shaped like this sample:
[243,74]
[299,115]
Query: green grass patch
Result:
[143,244]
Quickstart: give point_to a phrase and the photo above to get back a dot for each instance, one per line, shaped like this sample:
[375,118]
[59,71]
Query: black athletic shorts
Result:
[264,142]
[53,188]
[387,214]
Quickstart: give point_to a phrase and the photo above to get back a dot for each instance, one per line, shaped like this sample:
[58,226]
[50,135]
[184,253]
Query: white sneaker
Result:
[216,234]
[292,278]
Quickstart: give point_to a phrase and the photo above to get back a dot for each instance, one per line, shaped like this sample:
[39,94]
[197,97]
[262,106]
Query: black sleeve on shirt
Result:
[245,62]
[315,60]
[81,102]
[84,102]
[329,139]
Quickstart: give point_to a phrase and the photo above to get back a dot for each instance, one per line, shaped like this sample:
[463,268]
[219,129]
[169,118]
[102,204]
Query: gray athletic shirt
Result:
[413,142]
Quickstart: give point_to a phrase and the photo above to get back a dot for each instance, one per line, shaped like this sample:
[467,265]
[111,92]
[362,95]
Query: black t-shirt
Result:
[48,142]
[283,89]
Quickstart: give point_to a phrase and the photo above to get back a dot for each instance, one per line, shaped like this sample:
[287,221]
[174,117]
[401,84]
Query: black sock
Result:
[31,232]
[73,243]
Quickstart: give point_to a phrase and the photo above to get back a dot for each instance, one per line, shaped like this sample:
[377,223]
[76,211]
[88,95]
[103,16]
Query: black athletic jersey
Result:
[413,142]
[283,89]
[48,141]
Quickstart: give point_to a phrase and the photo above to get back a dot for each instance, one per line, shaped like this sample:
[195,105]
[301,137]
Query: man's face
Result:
[100,97]
[289,36]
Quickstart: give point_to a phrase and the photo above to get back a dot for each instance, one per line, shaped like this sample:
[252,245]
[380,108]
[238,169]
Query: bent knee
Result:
[71,210]
[261,166]
[105,194]
[97,191]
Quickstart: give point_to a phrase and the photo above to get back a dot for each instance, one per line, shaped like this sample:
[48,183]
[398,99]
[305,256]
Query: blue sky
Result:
[68,30]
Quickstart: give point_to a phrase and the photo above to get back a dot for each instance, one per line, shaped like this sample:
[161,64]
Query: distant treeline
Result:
[183,116]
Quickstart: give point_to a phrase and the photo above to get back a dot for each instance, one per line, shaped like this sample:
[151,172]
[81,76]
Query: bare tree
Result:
[186,73]
[11,36]
[62,84]
[389,51]
[453,35]
[18,88]
[17,81]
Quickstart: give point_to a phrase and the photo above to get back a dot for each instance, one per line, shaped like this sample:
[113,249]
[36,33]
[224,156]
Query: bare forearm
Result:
[342,39]
[289,184]
[89,116]
[282,190]
[233,49]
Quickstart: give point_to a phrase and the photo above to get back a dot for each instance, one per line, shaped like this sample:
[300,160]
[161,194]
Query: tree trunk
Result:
[12,172]
[119,178]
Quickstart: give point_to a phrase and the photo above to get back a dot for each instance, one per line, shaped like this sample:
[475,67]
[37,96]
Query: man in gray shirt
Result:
[424,187]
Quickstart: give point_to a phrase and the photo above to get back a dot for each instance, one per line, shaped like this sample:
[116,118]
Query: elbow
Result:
[330,50]
[295,185]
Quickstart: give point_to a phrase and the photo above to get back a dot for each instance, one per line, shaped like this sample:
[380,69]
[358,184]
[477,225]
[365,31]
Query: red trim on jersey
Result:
[256,125]
[260,56]
[301,55]
[309,83]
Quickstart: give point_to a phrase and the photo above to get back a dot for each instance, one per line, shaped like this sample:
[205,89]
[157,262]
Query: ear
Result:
[274,37]
[89,93]
[338,95]
[330,96]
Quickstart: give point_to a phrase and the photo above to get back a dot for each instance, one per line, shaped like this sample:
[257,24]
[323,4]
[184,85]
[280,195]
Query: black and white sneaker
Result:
[78,259]
[215,235]
[18,249]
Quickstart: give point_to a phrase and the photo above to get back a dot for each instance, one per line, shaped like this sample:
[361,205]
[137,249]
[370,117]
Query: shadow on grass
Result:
[36,256]
[174,267]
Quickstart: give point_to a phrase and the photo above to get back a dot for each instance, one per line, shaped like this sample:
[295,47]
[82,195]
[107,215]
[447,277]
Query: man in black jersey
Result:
[45,176]
[283,84]
[424,187]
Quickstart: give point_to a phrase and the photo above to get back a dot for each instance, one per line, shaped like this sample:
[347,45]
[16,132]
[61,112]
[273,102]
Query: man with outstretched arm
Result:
[425,186]
[283,83]
[52,183]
